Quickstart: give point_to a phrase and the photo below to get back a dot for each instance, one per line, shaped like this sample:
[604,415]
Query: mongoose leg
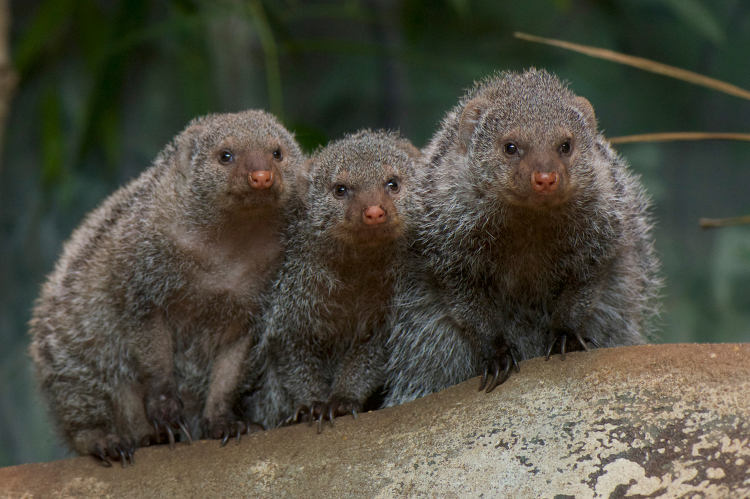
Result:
[562,335]
[218,419]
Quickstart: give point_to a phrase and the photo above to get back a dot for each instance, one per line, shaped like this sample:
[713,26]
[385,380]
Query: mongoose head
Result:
[360,187]
[239,161]
[528,139]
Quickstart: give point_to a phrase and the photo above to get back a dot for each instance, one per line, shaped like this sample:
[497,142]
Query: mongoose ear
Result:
[303,178]
[412,151]
[586,110]
[469,118]
[187,143]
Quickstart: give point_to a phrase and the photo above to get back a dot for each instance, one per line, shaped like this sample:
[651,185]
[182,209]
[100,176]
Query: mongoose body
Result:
[533,232]
[145,325]
[325,326]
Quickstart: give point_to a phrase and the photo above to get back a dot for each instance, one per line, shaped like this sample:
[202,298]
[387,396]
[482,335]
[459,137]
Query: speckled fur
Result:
[489,271]
[325,327]
[153,306]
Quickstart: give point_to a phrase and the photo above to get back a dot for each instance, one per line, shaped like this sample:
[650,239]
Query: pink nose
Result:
[260,179]
[373,215]
[544,182]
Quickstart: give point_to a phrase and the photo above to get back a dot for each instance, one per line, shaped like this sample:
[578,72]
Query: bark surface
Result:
[646,421]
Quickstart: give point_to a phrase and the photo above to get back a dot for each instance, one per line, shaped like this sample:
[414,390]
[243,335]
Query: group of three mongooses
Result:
[238,282]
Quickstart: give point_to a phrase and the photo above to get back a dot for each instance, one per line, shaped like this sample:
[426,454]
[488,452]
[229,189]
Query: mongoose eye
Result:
[340,191]
[393,186]
[226,156]
[510,149]
[277,155]
[565,147]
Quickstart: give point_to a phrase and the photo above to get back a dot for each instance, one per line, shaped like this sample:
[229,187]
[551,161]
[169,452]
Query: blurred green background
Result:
[105,84]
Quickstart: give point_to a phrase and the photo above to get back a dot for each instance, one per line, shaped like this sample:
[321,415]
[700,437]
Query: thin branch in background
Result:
[641,63]
[8,76]
[710,223]
[675,136]
[270,49]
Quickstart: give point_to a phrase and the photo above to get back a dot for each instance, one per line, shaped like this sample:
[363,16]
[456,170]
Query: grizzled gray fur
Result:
[533,232]
[145,323]
[325,326]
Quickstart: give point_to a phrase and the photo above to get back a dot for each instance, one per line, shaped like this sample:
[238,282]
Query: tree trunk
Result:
[650,421]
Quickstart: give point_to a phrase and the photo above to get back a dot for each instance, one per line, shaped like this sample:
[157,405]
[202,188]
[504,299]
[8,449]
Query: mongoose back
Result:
[325,326]
[145,323]
[533,233]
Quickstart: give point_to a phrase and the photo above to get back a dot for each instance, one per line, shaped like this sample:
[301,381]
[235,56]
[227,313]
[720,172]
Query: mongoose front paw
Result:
[562,335]
[224,428]
[115,448]
[319,411]
[500,366]
[164,412]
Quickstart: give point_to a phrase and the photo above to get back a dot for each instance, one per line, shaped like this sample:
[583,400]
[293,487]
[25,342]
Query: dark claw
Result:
[184,427]
[101,456]
[496,378]
[500,373]
[170,435]
[225,439]
[158,433]
[549,349]
[131,453]
[301,411]
[123,460]
[591,340]
[485,370]
[562,337]
[320,422]
[582,341]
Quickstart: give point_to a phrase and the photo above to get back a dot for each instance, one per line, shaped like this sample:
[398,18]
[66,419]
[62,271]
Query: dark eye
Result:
[226,156]
[340,191]
[393,186]
[565,147]
[510,149]
[277,155]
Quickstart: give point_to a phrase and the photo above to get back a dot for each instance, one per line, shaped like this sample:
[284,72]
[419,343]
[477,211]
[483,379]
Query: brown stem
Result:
[710,223]
[641,63]
[674,136]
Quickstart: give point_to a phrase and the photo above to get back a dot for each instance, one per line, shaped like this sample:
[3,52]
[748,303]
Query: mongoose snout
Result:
[262,179]
[544,182]
[373,215]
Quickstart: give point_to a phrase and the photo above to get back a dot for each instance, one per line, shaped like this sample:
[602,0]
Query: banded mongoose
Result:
[145,324]
[533,233]
[326,324]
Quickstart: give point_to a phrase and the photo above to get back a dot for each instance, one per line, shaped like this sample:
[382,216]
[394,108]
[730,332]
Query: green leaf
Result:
[93,31]
[702,19]
[461,7]
[48,22]
[53,141]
